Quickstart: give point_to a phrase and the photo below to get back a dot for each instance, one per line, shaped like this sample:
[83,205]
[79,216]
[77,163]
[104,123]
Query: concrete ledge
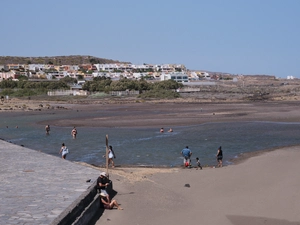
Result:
[88,214]
[84,209]
[74,211]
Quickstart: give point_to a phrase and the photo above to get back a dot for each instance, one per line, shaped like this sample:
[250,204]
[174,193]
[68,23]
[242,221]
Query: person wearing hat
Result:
[102,183]
[107,204]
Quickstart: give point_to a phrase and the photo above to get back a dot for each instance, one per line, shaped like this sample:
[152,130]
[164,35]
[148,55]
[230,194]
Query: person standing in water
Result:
[63,151]
[111,156]
[220,156]
[47,129]
[74,132]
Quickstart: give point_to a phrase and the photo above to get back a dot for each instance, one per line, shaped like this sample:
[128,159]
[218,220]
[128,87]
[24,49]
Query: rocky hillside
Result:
[55,60]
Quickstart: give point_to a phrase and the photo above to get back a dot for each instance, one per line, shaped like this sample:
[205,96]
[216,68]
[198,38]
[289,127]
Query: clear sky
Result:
[234,36]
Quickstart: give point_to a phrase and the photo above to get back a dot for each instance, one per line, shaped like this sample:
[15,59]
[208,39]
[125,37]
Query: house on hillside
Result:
[178,77]
[9,75]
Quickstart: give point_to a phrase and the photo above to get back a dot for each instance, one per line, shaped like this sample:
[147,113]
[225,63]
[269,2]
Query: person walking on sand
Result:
[47,129]
[186,153]
[111,156]
[109,204]
[74,132]
[220,156]
[198,163]
[63,151]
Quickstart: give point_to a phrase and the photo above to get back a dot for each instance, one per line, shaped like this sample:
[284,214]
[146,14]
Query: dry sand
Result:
[261,190]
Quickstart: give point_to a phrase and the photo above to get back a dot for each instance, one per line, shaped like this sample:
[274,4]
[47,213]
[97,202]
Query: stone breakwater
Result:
[37,188]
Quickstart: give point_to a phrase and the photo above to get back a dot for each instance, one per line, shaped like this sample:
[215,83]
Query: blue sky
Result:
[234,36]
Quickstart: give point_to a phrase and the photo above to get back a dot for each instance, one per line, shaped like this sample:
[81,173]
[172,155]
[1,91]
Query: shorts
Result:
[107,207]
[186,159]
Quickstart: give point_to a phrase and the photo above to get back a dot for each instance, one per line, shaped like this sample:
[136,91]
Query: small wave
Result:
[16,140]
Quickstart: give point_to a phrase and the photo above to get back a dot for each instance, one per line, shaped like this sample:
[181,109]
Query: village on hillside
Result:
[114,71]
[196,84]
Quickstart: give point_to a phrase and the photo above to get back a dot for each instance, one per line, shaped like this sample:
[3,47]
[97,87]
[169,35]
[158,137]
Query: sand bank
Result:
[154,114]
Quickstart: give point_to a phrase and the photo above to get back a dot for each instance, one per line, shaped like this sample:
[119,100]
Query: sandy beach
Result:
[260,189]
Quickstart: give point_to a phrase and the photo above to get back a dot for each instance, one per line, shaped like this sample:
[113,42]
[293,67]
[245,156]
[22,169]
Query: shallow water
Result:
[146,146]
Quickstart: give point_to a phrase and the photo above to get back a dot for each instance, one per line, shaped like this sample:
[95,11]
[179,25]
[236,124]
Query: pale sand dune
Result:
[262,190]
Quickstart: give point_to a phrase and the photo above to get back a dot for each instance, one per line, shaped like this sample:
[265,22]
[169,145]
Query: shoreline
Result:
[240,158]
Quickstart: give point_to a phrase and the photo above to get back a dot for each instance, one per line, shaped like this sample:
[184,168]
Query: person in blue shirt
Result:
[186,153]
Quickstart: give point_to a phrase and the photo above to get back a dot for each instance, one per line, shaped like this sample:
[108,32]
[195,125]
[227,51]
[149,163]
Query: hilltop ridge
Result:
[56,60]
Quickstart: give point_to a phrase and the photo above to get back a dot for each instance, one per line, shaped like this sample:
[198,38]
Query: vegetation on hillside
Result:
[56,60]
[24,87]
[162,89]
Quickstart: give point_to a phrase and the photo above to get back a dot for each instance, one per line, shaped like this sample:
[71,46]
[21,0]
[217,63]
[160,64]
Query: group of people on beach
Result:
[187,153]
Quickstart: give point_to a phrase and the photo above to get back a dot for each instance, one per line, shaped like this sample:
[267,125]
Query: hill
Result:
[56,60]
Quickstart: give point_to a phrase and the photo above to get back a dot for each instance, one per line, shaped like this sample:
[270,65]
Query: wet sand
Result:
[156,113]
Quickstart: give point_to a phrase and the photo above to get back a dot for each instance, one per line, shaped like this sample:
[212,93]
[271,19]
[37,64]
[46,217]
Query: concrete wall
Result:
[84,209]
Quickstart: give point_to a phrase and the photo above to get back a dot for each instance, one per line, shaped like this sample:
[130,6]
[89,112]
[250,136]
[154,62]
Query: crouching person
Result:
[103,183]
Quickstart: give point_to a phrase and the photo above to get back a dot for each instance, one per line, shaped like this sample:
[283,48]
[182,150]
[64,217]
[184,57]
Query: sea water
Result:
[147,146]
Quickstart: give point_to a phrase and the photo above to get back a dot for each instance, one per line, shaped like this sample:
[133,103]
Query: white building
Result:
[36,67]
[177,76]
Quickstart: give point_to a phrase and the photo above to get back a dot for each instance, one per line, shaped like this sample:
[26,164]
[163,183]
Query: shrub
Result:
[159,93]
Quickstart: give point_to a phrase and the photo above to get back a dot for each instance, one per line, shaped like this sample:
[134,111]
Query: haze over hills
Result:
[56,60]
